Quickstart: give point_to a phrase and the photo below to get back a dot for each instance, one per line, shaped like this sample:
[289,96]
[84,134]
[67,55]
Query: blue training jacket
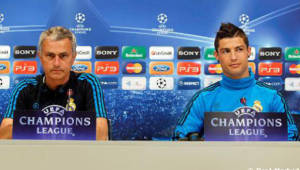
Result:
[225,96]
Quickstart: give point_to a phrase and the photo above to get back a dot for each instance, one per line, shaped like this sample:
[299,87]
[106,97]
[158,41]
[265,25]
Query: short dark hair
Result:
[58,33]
[228,30]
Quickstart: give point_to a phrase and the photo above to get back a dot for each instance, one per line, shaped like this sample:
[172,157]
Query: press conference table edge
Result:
[45,154]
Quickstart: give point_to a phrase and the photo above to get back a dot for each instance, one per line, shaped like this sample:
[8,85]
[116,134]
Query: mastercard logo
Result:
[215,69]
[294,69]
[134,68]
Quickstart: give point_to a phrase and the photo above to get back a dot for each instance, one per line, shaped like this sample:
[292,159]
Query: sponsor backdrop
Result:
[152,56]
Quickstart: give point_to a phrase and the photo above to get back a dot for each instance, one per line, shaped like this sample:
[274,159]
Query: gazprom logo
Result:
[79,67]
[54,109]
[245,111]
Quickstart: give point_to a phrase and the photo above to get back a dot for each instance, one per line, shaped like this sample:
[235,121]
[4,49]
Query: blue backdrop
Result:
[152,114]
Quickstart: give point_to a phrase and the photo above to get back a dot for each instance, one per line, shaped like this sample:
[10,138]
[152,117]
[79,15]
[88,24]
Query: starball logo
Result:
[1,17]
[161,83]
[25,67]
[4,82]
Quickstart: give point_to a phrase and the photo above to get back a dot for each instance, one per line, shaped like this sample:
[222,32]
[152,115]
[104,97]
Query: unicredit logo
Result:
[161,53]
[4,51]
[188,53]
[25,51]
[106,52]
[273,53]
[83,52]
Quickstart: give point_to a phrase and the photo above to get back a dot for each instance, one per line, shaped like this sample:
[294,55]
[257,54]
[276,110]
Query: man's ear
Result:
[249,51]
[216,55]
[39,54]
[74,57]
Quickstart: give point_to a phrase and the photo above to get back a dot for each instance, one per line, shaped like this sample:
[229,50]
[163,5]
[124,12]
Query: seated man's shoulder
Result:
[209,90]
[27,82]
[265,88]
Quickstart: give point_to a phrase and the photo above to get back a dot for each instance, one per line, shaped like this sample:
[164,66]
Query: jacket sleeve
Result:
[192,118]
[94,95]
[280,105]
[17,99]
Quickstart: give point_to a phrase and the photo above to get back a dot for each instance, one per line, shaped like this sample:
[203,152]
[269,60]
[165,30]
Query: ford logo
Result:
[2,66]
[79,67]
[161,68]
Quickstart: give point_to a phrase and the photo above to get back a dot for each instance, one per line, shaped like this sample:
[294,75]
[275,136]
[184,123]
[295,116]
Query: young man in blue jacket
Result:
[238,87]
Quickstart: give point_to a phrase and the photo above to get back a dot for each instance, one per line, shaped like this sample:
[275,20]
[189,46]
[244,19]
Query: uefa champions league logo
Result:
[54,109]
[80,28]
[244,20]
[162,18]
[3,29]
[80,18]
[1,18]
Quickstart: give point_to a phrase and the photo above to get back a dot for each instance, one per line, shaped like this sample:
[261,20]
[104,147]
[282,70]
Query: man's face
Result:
[233,57]
[57,59]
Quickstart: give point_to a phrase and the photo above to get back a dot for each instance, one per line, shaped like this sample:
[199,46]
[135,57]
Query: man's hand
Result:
[101,129]
[6,128]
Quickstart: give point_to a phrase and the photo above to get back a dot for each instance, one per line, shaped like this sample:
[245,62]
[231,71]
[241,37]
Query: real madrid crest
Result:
[71,106]
[257,106]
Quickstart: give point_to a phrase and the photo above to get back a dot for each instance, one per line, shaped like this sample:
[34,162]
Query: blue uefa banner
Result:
[54,123]
[234,126]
